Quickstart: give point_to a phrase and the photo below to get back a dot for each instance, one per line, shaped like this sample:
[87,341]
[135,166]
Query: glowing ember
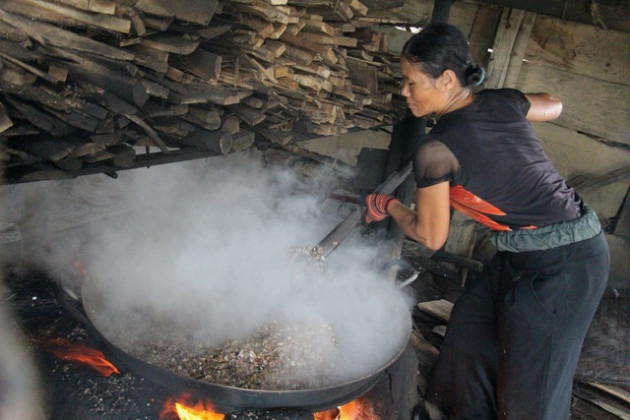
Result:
[78,264]
[67,350]
[183,409]
[359,409]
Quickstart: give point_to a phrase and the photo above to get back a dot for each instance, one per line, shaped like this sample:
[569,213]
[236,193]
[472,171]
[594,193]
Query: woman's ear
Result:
[448,79]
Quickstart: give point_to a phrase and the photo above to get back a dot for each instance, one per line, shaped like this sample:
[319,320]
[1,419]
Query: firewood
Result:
[212,32]
[57,74]
[159,24]
[340,10]
[231,125]
[170,43]
[174,74]
[100,156]
[215,141]
[102,21]
[151,59]
[155,89]
[262,27]
[249,115]
[344,27]
[299,54]
[153,110]
[124,155]
[276,47]
[312,82]
[243,140]
[5,120]
[195,11]
[364,123]
[47,147]
[280,71]
[97,6]
[69,164]
[206,118]
[220,95]
[40,172]
[318,70]
[325,51]
[173,127]
[441,309]
[363,75]
[42,120]
[19,56]
[276,2]
[292,12]
[329,130]
[107,139]
[318,26]
[279,29]
[189,68]
[342,41]
[150,132]
[288,83]
[137,23]
[254,102]
[127,88]
[358,7]
[295,28]
[275,136]
[13,75]
[76,119]
[370,39]
[202,63]
[261,9]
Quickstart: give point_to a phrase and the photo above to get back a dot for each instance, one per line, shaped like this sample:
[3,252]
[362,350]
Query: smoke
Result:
[203,251]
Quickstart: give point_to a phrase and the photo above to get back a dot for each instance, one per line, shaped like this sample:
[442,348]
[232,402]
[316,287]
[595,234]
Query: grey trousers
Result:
[514,337]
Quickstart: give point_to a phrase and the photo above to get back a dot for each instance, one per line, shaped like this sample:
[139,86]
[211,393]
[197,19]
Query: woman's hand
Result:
[544,107]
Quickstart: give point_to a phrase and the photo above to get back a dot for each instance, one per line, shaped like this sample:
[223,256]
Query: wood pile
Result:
[89,86]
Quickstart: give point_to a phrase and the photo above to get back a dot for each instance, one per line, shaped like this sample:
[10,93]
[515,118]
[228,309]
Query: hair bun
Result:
[475,75]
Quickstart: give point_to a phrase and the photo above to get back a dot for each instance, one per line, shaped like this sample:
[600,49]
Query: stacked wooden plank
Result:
[90,83]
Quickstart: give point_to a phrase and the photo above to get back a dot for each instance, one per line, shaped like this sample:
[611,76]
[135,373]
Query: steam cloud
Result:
[204,251]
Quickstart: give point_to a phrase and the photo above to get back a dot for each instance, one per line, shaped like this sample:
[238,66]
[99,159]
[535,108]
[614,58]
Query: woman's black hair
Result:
[439,47]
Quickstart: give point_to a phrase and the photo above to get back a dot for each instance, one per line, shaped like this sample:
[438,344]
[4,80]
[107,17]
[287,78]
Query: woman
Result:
[515,334]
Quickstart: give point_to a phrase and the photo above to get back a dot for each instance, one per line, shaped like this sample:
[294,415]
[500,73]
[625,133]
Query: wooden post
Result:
[502,49]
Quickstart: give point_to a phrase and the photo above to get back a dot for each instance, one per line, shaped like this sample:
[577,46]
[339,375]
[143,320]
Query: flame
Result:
[183,408]
[67,350]
[359,409]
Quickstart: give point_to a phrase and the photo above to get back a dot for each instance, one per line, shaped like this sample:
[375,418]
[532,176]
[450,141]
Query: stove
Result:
[83,379]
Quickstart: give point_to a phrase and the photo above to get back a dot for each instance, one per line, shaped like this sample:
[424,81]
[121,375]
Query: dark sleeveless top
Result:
[498,171]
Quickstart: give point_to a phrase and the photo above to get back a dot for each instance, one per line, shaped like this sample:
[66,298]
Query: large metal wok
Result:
[229,397]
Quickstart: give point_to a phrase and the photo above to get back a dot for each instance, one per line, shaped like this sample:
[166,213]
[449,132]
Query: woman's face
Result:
[423,94]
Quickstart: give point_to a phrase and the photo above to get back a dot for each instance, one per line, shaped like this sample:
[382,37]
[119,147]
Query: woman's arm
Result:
[544,107]
[429,223]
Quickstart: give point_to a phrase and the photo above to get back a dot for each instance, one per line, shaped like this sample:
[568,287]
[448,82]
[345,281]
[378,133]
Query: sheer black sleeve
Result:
[433,163]
[520,99]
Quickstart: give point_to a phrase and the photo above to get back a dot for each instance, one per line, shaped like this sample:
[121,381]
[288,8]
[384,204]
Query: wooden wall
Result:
[587,68]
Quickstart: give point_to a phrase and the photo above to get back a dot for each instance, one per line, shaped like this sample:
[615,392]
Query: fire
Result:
[67,350]
[359,409]
[183,409]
